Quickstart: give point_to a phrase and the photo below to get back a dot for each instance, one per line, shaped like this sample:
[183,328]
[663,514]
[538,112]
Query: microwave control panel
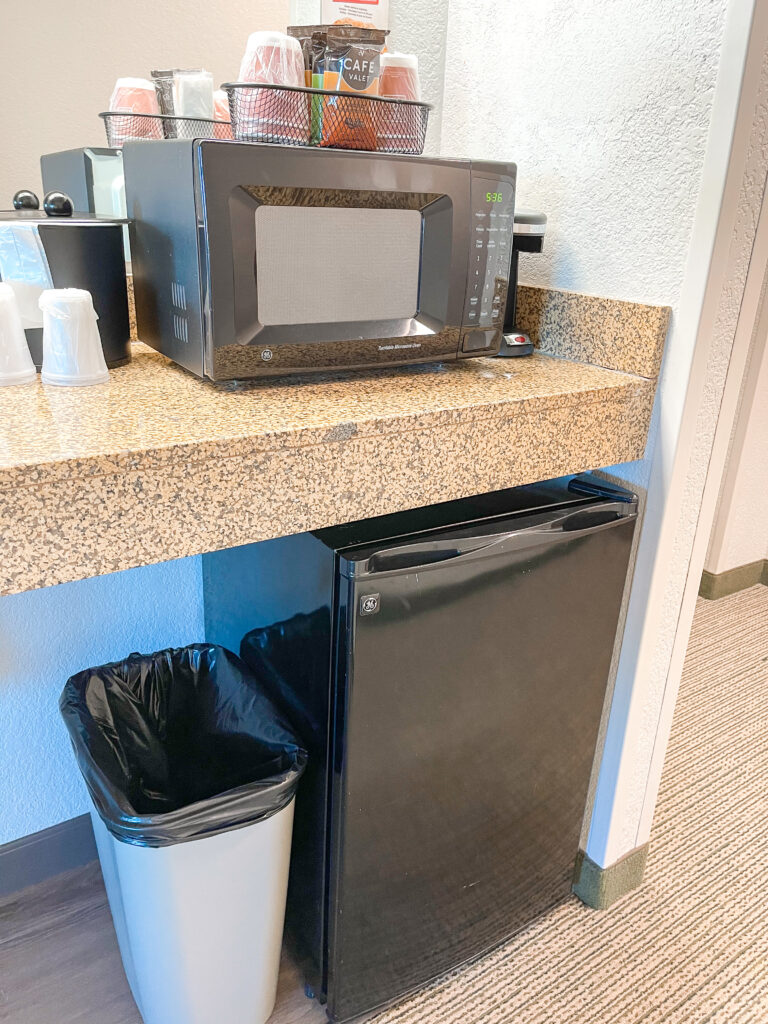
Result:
[490,251]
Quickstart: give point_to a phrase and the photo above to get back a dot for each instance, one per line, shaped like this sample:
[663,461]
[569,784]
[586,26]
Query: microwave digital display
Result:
[346,265]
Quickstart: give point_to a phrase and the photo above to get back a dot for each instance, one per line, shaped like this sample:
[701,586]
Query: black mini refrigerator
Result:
[447,669]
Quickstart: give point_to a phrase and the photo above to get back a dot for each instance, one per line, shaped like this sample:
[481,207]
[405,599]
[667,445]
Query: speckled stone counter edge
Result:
[618,335]
[118,521]
[484,418]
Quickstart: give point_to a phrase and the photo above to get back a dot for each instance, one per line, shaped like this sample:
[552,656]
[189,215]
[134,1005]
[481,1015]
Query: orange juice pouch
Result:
[352,57]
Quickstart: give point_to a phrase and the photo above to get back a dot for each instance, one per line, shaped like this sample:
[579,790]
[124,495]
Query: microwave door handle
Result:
[429,554]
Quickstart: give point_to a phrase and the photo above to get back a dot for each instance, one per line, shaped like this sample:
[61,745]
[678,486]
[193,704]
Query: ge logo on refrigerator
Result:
[369,604]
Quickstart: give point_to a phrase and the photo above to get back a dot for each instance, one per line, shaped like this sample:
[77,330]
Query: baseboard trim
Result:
[600,887]
[43,855]
[721,584]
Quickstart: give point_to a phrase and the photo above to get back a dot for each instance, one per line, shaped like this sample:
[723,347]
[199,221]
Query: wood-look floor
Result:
[59,961]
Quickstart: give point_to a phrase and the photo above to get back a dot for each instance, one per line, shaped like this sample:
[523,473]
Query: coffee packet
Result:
[305,35]
[352,59]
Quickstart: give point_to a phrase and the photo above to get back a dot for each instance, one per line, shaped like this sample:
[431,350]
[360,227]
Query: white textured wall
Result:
[49,634]
[740,535]
[606,111]
[605,108]
[694,383]
[420,27]
[59,62]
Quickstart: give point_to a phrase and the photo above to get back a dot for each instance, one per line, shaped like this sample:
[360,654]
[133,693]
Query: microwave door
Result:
[353,260]
[344,285]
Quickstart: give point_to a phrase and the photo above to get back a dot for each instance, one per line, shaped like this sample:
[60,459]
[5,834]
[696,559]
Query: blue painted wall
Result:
[45,636]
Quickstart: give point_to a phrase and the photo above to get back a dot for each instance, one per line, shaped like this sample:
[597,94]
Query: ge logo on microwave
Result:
[369,604]
[266,354]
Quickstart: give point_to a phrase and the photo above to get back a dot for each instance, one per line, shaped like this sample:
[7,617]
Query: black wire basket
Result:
[294,116]
[123,126]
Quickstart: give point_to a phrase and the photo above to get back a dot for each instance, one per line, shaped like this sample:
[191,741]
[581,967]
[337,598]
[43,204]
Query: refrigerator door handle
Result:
[595,487]
[429,554]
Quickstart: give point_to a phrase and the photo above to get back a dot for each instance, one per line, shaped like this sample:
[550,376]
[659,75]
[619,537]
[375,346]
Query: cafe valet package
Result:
[370,13]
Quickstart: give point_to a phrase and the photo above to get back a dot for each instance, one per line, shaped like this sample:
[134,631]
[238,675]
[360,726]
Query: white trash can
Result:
[192,772]
[200,924]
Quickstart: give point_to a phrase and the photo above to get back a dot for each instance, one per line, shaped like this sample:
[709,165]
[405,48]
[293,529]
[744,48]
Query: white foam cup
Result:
[72,352]
[16,366]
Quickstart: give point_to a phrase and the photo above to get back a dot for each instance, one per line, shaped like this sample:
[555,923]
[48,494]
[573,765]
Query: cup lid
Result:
[75,379]
[399,60]
[269,37]
[134,83]
[202,73]
[25,376]
[65,297]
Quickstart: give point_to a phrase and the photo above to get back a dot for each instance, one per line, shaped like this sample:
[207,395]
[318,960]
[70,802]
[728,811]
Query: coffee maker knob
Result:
[26,200]
[57,204]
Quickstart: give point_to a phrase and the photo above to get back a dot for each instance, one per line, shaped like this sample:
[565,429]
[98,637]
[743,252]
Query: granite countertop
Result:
[157,464]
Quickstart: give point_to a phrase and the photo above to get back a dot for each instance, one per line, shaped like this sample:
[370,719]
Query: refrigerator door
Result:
[472,672]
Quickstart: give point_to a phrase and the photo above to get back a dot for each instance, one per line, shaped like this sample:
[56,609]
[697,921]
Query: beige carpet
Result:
[691,945]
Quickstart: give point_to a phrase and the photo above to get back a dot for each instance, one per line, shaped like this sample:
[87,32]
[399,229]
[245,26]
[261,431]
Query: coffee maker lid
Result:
[527,222]
[40,217]
[58,208]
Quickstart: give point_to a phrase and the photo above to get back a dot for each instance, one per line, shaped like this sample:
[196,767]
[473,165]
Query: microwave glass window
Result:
[346,265]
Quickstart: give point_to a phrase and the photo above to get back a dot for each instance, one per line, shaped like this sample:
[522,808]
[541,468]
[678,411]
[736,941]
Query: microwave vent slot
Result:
[178,295]
[180,328]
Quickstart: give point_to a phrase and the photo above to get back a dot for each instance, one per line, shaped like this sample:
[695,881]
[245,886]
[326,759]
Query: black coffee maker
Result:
[528,237]
[56,248]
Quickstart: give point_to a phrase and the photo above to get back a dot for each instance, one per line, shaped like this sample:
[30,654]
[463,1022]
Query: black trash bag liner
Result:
[297,649]
[180,744]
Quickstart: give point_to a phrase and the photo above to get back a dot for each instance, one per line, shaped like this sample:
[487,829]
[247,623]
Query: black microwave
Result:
[254,260]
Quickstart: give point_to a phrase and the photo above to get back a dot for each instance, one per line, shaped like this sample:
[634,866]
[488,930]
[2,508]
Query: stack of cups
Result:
[272,115]
[399,78]
[221,113]
[399,129]
[134,96]
[193,94]
[72,352]
[16,366]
